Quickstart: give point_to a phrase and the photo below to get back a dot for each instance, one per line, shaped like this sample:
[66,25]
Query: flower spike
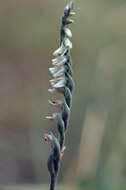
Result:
[62,83]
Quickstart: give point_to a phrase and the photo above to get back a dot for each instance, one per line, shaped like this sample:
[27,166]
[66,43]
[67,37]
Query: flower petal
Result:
[57,71]
[68,32]
[60,60]
[60,51]
[69,21]
[59,84]
[68,43]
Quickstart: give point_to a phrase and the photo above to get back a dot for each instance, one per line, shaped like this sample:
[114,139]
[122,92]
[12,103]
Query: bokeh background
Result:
[95,157]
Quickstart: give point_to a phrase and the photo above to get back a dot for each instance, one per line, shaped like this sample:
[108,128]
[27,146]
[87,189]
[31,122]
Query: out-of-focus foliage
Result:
[28,35]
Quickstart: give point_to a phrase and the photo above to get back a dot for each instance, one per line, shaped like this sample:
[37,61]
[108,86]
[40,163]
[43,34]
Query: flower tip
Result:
[68,32]
[72,13]
[51,90]
[68,43]
[47,137]
[52,102]
[70,6]
[48,117]
[70,21]
[59,84]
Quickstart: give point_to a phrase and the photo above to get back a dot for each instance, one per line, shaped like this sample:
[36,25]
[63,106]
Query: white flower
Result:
[60,51]
[69,21]
[58,84]
[68,43]
[57,71]
[58,61]
[72,13]
[68,32]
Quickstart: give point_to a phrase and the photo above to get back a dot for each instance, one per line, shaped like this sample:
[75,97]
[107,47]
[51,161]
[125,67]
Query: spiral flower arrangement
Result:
[62,83]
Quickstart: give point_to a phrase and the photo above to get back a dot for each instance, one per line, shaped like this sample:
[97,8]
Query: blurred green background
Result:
[95,157]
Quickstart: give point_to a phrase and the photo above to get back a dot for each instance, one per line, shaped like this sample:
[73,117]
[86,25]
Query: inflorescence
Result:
[62,83]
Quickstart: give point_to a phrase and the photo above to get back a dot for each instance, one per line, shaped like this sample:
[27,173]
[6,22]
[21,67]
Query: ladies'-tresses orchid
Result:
[63,83]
